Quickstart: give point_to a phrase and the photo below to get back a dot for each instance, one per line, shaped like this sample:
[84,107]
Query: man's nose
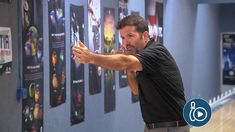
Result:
[123,46]
[125,42]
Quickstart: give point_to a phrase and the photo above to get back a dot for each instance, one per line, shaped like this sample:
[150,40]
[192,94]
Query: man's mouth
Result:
[130,48]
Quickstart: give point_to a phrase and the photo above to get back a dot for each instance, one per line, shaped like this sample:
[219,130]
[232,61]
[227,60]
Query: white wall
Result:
[10,108]
[206,55]
[191,33]
[179,26]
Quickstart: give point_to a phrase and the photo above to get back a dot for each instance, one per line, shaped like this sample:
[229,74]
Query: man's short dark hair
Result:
[139,22]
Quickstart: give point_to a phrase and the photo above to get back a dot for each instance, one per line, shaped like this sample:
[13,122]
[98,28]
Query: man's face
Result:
[131,39]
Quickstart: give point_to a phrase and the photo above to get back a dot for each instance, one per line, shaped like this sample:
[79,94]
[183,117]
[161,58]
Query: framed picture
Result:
[228,58]
[154,17]
[5,51]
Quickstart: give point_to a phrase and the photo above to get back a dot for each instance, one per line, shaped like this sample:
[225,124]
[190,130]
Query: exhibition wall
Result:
[206,49]
[10,108]
[191,33]
[125,117]
[227,17]
[227,24]
[194,41]
[179,23]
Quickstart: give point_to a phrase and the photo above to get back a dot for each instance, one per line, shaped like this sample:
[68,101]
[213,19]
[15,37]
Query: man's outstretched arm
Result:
[112,62]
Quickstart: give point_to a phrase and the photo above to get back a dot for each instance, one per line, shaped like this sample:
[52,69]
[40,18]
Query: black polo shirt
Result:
[161,90]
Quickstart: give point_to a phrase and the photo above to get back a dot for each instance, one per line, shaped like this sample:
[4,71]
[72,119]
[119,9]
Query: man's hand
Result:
[130,50]
[112,62]
[82,54]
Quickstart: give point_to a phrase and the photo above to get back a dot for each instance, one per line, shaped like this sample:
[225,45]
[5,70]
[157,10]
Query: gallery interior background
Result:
[191,33]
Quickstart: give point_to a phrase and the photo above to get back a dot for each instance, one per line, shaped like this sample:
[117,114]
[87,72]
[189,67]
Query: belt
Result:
[166,124]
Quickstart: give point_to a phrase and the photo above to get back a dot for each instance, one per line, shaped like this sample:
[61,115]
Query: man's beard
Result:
[130,50]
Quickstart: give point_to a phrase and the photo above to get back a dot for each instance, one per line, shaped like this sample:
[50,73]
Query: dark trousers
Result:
[168,129]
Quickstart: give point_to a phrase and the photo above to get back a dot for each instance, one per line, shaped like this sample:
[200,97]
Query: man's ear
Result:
[146,36]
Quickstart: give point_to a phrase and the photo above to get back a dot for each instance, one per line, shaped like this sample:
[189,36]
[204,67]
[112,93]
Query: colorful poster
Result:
[77,113]
[57,52]
[228,58]
[94,44]
[122,9]
[32,40]
[5,51]
[154,16]
[123,12]
[109,48]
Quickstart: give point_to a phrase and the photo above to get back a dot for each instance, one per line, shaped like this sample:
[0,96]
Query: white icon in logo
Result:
[192,113]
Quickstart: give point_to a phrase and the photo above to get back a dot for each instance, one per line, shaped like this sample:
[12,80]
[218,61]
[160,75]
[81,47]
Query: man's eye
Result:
[130,36]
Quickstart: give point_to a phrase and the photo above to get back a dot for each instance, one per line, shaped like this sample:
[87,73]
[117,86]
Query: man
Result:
[152,73]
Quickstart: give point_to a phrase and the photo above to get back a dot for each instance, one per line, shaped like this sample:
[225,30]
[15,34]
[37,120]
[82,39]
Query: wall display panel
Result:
[228,58]
[5,51]
[57,52]
[154,16]
[77,112]
[122,12]
[109,48]
[32,40]
[94,44]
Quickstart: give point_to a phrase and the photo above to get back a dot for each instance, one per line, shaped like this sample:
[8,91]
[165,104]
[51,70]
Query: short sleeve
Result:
[151,59]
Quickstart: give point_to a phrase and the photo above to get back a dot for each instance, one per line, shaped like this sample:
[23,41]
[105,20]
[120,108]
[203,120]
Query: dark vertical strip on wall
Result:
[94,41]
[32,41]
[154,16]
[77,111]
[109,48]
[56,12]
[122,12]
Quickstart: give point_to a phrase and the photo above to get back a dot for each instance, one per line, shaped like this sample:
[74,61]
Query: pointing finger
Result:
[81,44]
